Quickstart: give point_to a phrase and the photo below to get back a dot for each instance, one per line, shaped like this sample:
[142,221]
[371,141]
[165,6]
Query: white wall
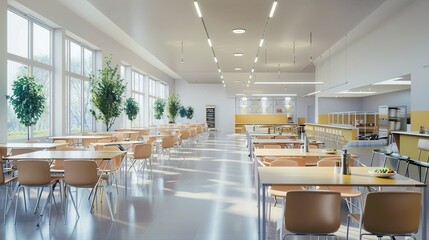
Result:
[371,103]
[200,95]
[329,104]
[3,71]
[396,47]
[302,108]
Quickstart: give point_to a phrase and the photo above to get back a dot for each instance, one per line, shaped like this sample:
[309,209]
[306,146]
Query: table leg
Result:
[263,214]
[258,193]
[425,213]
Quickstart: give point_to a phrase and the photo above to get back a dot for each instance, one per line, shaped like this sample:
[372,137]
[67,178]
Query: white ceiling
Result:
[160,27]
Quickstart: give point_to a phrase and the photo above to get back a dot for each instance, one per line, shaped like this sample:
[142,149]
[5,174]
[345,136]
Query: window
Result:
[157,89]
[137,92]
[79,65]
[29,48]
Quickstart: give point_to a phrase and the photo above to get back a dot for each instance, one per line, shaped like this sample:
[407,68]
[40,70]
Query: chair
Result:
[167,144]
[347,193]
[421,166]
[34,174]
[185,136]
[5,181]
[142,152]
[389,213]
[272,146]
[314,213]
[83,174]
[423,145]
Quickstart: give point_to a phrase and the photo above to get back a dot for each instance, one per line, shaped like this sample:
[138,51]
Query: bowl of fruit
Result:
[382,172]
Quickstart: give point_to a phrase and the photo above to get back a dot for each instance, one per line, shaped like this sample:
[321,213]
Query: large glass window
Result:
[79,64]
[29,48]
[137,92]
[157,89]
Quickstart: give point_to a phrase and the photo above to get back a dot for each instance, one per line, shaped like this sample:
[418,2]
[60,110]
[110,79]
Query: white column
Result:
[59,106]
[3,70]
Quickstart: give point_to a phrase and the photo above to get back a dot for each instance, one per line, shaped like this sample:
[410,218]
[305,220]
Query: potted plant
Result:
[131,108]
[27,101]
[182,112]
[158,108]
[173,105]
[107,89]
[190,112]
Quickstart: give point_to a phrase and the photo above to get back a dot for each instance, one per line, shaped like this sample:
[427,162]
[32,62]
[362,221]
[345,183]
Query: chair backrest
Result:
[143,150]
[151,140]
[421,167]
[33,172]
[117,161]
[298,160]
[284,163]
[1,174]
[17,151]
[272,146]
[168,141]
[423,145]
[313,212]
[392,212]
[80,173]
[3,152]
[185,134]
[327,162]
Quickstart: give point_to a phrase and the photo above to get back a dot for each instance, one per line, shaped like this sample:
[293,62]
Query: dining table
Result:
[327,176]
[39,146]
[80,137]
[72,155]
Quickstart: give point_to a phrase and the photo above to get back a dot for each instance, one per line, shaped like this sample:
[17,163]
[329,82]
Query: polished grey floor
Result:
[204,192]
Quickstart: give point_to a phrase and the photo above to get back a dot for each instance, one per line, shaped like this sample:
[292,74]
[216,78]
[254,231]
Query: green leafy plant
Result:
[158,107]
[173,105]
[131,108]
[182,112]
[107,89]
[190,112]
[27,101]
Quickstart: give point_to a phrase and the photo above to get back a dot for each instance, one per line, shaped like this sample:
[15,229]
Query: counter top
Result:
[330,126]
[411,133]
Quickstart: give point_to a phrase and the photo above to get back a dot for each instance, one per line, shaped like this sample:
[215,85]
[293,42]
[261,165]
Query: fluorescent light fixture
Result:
[210,42]
[289,83]
[198,9]
[221,76]
[238,54]
[264,98]
[274,95]
[239,30]
[256,59]
[261,42]
[273,9]
[394,81]
[215,59]
[316,92]
[237,69]
[358,92]
[250,77]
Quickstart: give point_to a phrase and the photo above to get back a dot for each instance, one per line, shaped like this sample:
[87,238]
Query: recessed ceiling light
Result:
[238,54]
[237,69]
[239,30]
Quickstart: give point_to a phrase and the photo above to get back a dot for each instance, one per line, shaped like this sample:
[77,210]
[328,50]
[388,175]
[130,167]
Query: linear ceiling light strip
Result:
[261,42]
[197,8]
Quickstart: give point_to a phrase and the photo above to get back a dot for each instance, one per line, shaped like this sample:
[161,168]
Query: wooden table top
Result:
[273,134]
[116,143]
[325,176]
[80,137]
[32,145]
[63,155]
[293,152]
[281,140]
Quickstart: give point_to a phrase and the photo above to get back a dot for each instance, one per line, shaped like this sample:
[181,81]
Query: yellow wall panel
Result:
[419,118]
[323,119]
[260,118]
